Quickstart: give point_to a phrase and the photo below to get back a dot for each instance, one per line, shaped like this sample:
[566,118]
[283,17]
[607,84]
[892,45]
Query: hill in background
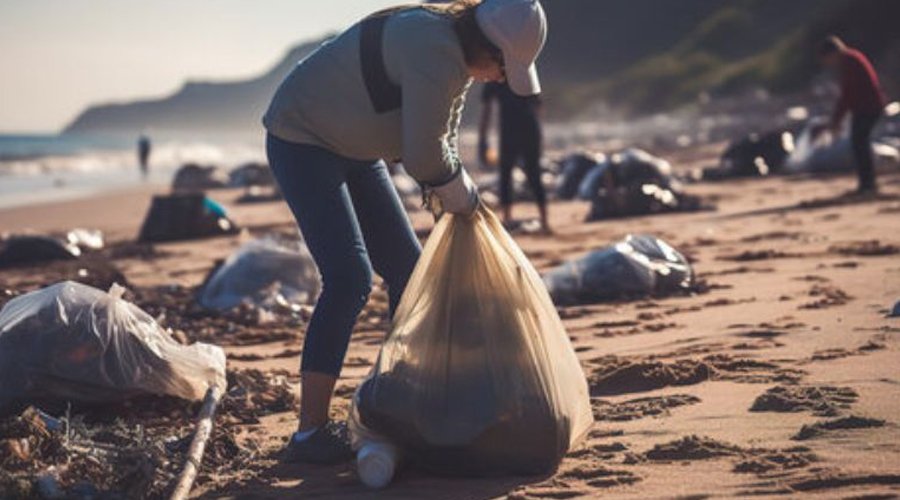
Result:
[638,56]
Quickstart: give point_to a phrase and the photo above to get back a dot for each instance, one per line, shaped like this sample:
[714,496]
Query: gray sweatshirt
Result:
[324,101]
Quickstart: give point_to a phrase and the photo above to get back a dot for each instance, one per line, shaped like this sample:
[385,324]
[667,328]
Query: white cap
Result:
[518,28]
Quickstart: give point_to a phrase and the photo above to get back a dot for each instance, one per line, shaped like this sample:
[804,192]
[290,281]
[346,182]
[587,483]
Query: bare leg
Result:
[545,223]
[315,399]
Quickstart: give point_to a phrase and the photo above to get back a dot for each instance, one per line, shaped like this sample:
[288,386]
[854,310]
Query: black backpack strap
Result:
[385,95]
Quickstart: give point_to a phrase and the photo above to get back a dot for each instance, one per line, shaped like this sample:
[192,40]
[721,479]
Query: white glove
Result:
[459,195]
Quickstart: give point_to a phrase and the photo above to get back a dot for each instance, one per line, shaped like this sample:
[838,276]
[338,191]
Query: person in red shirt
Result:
[862,97]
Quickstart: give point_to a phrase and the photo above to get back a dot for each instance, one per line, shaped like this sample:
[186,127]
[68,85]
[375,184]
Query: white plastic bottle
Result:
[376,463]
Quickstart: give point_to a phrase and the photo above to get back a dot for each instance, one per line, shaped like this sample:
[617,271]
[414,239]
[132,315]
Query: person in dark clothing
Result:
[862,97]
[143,147]
[520,141]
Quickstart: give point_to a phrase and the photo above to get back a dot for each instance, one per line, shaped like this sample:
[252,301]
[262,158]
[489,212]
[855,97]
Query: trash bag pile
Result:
[185,217]
[636,266]
[477,376]
[818,150]
[267,272]
[756,155]
[642,184]
[73,342]
[24,249]
[572,170]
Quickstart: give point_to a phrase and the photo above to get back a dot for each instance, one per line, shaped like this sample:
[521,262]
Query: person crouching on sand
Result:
[390,87]
[862,96]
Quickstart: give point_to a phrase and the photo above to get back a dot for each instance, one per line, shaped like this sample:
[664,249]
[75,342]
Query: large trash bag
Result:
[628,168]
[266,272]
[636,266]
[73,342]
[753,156]
[824,152]
[25,249]
[477,376]
[185,217]
[573,168]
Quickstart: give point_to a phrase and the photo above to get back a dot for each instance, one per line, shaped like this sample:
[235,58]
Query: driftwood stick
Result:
[198,445]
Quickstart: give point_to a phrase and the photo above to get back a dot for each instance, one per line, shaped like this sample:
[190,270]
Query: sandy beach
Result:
[782,377]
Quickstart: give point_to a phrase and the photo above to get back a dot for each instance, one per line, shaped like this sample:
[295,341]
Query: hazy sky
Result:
[57,56]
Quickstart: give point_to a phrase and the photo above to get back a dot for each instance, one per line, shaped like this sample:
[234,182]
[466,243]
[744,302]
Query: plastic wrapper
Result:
[477,376]
[73,342]
[637,266]
[266,272]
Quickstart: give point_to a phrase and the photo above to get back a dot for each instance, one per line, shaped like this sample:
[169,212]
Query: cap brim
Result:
[522,78]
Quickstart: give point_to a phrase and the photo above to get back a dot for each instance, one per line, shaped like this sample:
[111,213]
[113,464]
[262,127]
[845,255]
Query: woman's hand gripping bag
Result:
[477,376]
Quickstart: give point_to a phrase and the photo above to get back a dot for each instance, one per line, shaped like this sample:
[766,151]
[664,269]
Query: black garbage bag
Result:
[184,217]
[642,199]
[251,174]
[25,249]
[477,376]
[636,266]
[73,342]
[572,170]
[756,155]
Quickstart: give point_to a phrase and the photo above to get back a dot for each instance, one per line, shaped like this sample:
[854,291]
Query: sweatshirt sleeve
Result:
[433,96]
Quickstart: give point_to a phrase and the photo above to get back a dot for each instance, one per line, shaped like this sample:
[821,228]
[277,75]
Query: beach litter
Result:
[572,170]
[824,152]
[634,182]
[639,265]
[72,342]
[755,155]
[477,376]
[271,273]
[25,249]
[184,217]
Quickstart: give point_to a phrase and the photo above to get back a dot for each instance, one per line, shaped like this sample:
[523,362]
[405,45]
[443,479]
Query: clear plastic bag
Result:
[266,272]
[74,342]
[477,376]
[637,266]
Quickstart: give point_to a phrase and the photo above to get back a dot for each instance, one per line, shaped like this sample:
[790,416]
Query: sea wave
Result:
[164,156]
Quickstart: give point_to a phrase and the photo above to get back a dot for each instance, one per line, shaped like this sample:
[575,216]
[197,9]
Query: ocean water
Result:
[37,168]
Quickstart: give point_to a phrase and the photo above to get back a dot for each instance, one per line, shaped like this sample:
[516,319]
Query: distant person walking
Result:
[520,141]
[143,150]
[390,87]
[862,97]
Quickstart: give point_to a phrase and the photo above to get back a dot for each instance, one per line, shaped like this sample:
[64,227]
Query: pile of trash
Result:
[477,376]
[72,342]
[755,155]
[572,170]
[184,217]
[270,273]
[817,150]
[26,249]
[637,266]
[633,183]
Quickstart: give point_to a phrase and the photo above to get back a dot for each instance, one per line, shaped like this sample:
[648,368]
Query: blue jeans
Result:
[353,223]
